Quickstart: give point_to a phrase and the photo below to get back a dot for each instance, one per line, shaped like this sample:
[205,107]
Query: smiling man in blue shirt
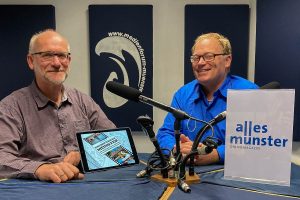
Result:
[205,97]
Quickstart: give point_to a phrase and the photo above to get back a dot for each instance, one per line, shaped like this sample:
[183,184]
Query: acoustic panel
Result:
[278,47]
[18,23]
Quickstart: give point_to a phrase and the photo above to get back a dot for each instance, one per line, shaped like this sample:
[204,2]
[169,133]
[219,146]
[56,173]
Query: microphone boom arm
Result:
[178,114]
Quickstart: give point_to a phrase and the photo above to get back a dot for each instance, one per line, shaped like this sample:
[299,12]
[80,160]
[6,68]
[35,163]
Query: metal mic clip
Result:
[144,172]
[172,164]
[184,186]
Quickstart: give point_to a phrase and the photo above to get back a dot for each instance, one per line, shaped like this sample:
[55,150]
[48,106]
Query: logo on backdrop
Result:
[116,44]
[253,136]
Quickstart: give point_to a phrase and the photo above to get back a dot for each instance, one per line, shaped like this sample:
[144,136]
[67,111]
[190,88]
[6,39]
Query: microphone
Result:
[271,85]
[136,95]
[218,118]
[123,90]
[203,150]
[147,125]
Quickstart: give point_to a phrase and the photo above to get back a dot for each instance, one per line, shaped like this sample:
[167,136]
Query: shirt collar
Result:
[199,94]
[41,100]
[225,86]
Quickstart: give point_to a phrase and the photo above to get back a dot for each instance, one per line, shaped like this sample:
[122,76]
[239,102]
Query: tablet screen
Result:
[105,149]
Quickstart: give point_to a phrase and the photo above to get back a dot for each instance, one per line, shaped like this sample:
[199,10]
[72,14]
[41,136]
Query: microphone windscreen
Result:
[271,85]
[123,90]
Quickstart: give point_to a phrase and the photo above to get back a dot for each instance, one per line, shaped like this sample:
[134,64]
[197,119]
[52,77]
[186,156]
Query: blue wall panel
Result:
[278,47]
[17,24]
[230,20]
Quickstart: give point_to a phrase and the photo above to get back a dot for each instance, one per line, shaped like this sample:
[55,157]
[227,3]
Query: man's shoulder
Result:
[238,82]
[15,101]
[188,89]
[17,96]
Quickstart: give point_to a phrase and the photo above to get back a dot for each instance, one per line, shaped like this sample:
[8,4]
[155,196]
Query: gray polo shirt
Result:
[33,130]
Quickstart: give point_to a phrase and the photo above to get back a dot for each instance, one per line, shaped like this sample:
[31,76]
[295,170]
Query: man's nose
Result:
[201,60]
[56,61]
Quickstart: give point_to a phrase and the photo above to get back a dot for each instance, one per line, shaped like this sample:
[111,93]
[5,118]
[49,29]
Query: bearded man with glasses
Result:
[38,123]
[204,98]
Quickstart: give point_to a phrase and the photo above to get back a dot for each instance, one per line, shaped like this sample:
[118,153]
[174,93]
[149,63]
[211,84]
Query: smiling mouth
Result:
[203,70]
[56,71]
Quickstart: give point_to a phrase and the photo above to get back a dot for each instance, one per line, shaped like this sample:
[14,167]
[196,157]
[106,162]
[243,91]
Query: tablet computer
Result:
[106,149]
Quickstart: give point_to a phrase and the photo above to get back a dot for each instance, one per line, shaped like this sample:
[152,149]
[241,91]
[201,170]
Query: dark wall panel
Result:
[17,24]
[278,47]
[230,20]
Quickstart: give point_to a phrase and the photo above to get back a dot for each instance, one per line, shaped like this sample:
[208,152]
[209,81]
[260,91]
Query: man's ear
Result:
[228,60]
[30,61]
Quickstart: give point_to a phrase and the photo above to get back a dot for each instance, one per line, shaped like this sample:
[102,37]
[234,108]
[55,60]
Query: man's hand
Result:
[73,158]
[207,159]
[186,146]
[58,172]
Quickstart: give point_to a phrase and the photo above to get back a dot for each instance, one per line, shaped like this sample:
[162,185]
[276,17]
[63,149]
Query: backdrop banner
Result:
[121,48]
[259,135]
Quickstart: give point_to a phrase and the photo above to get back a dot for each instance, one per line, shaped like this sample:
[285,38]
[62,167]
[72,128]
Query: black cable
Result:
[154,162]
[208,125]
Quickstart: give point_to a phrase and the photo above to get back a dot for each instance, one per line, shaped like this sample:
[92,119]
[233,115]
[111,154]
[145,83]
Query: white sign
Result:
[259,135]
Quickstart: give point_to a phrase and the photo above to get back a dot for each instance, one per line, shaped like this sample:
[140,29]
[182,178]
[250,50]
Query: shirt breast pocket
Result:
[82,125]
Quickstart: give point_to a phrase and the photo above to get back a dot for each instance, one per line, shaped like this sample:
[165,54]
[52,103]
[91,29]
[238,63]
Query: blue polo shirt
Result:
[190,98]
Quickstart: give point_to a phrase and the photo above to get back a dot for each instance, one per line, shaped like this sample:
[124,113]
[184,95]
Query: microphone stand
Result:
[182,178]
[209,125]
[171,181]
[147,125]
[208,145]
[194,147]
[177,179]
[173,172]
[178,155]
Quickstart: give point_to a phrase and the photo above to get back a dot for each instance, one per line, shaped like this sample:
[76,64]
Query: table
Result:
[214,186]
[122,184]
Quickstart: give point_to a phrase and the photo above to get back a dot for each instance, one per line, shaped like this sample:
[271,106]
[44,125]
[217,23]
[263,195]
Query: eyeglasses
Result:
[208,57]
[49,55]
